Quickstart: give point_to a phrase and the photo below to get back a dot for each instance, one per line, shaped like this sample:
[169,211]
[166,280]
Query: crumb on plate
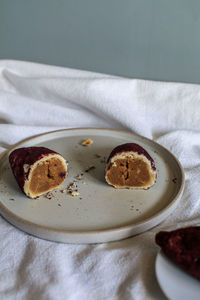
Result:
[90,168]
[87,142]
[79,176]
[74,193]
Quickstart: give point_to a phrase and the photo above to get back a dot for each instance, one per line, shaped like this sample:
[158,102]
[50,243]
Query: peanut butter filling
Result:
[129,172]
[47,176]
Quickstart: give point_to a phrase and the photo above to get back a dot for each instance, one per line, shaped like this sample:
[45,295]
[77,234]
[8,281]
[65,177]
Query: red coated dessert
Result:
[182,246]
[130,166]
[37,170]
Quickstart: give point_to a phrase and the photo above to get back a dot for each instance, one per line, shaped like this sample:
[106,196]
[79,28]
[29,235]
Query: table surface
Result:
[154,39]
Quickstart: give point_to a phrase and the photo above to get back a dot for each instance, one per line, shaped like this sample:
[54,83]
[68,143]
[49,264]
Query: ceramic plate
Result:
[175,283]
[100,213]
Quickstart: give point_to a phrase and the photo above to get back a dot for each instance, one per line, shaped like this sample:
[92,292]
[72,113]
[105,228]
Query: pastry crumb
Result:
[63,191]
[87,142]
[90,168]
[79,176]
[71,186]
[74,193]
[174,180]
[48,195]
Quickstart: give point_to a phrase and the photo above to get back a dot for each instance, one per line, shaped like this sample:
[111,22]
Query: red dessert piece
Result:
[130,166]
[182,246]
[37,170]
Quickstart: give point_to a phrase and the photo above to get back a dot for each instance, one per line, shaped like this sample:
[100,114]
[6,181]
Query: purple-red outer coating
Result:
[182,246]
[21,156]
[134,148]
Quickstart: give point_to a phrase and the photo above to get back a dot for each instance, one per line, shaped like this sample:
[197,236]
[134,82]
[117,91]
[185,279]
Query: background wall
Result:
[151,39]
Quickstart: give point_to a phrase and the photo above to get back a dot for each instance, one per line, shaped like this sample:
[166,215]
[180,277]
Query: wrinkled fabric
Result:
[37,98]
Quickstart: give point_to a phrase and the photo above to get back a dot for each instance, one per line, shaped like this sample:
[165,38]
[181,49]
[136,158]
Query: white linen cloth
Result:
[37,98]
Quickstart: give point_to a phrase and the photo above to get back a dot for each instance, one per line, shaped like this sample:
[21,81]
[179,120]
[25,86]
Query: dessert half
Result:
[182,246]
[130,166]
[37,170]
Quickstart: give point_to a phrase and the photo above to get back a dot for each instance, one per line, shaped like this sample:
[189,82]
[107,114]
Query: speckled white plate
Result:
[100,213]
[175,283]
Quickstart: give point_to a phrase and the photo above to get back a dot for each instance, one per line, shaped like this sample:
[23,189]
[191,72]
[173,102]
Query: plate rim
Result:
[4,211]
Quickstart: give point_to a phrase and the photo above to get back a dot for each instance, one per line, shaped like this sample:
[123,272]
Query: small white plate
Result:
[175,283]
[100,213]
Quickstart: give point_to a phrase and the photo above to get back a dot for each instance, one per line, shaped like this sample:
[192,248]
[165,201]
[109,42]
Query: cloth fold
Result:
[36,98]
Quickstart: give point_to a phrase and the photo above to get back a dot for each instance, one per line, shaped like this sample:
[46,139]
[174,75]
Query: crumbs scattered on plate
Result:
[71,189]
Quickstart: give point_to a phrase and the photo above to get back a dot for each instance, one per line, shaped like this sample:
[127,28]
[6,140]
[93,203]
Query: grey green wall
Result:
[149,39]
